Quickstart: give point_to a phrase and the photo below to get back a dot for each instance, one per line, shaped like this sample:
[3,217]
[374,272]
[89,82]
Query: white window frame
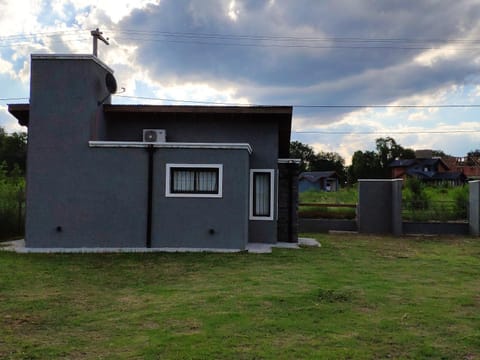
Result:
[168,172]
[272,193]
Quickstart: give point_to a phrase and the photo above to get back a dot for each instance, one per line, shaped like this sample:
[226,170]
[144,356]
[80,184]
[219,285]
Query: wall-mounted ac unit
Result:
[154,135]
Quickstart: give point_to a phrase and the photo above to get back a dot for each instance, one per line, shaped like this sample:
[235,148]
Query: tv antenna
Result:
[97,35]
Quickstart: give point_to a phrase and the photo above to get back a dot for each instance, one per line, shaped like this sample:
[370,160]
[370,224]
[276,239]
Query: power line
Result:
[195,35]
[187,101]
[272,41]
[14,99]
[384,132]
[318,106]
[293,41]
[289,38]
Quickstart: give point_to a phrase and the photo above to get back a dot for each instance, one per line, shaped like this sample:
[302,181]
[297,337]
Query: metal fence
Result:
[440,210]
[313,210]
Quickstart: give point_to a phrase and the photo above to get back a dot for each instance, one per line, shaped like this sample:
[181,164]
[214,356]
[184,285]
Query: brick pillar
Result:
[287,201]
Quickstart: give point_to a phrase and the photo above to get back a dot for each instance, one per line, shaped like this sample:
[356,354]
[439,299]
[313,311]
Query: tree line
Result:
[365,164]
[13,152]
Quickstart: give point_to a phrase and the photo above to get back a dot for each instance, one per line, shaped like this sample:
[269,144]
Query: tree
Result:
[439,153]
[321,161]
[13,150]
[388,150]
[303,152]
[330,161]
[365,165]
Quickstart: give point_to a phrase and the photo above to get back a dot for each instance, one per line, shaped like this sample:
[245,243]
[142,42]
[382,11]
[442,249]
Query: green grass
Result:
[355,297]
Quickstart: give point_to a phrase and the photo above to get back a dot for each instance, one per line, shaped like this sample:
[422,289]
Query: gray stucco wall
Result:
[202,222]
[255,130]
[260,133]
[78,196]
[379,206]
[474,207]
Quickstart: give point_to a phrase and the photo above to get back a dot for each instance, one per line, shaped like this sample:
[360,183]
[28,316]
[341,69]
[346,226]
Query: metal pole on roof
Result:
[97,35]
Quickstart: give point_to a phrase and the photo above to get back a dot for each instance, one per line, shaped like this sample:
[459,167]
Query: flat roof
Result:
[285,110]
[22,111]
[89,57]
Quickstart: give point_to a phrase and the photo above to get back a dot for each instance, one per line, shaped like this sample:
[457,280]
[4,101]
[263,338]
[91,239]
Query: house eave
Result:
[21,113]
[171,145]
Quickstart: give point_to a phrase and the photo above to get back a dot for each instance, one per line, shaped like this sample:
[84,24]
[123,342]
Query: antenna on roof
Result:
[97,35]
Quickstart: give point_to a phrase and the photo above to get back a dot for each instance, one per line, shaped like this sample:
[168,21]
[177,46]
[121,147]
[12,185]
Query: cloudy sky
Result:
[354,70]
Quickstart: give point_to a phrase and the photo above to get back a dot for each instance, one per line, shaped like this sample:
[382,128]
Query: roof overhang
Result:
[21,112]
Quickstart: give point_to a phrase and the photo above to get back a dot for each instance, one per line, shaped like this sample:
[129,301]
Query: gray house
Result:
[141,176]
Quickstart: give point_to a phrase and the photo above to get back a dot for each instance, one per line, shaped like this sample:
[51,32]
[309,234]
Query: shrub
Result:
[12,189]
[415,195]
[460,197]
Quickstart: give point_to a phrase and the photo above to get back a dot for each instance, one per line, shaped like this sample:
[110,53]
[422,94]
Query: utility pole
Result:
[97,34]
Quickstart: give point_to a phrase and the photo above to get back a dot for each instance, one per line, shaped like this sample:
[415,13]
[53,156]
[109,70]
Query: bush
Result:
[12,190]
[460,197]
[414,195]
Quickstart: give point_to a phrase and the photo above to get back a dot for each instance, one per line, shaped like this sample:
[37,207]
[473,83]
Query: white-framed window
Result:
[194,180]
[261,194]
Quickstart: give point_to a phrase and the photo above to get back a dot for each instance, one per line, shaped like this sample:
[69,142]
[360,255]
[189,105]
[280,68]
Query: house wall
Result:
[305,185]
[398,172]
[202,222]
[77,196]
[254,129]
[257,130]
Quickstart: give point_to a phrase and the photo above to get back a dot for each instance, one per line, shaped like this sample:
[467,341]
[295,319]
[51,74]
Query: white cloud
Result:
[233,10]
[200,92]
[115,10]
[19,17]
[430,57]
[8,122]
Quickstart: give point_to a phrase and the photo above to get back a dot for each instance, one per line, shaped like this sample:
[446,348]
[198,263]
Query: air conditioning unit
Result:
[154,135]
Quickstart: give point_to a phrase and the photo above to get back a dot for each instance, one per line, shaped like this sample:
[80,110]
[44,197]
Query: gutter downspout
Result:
[151,151]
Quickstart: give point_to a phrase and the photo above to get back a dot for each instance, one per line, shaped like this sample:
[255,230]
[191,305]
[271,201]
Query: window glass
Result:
[261,194]
[194,180]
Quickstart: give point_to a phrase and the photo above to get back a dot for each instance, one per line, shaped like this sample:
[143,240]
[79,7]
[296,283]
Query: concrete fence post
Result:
[397,227]
[380,206]
[474,207]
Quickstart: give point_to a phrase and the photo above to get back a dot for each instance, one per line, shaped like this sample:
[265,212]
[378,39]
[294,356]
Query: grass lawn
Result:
[355,297]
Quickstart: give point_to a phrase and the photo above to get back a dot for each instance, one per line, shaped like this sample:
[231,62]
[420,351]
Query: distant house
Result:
[429,170]
[318,180]
[467,165]
[150,176]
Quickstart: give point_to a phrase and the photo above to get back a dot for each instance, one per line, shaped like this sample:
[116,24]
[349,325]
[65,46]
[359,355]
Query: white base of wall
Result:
[121,250]
[256,248]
